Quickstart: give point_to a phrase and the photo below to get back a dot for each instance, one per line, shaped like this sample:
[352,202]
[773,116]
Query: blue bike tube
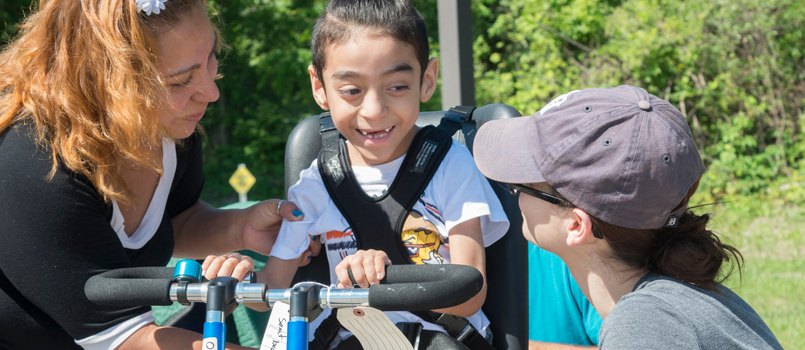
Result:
[297,333]
[214,331]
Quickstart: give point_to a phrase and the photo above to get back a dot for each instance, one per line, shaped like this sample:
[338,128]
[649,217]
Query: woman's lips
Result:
[194,117]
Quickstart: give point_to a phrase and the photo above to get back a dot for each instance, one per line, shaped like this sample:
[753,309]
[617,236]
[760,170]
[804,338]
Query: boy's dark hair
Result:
[344,18]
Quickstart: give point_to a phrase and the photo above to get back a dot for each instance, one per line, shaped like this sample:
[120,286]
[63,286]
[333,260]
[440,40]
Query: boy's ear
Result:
[318,89]
[579,227]
[429,80]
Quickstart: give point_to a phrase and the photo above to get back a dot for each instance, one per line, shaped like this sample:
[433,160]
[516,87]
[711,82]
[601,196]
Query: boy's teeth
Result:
[375,135]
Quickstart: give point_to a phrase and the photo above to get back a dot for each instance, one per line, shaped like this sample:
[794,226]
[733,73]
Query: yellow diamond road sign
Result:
[242,180]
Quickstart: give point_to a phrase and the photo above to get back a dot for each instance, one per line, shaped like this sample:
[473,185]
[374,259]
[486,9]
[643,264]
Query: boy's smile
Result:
[372,89]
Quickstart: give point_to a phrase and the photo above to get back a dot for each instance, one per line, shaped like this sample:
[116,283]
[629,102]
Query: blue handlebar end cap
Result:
[187,270]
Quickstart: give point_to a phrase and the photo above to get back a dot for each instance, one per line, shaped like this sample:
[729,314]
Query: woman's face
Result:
[542,221]
[188,66]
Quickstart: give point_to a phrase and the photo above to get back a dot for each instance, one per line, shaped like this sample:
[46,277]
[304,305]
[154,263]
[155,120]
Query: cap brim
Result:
[502,152]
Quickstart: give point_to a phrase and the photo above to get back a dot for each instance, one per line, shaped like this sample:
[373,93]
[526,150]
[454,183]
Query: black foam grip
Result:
[425,287]
[136,286]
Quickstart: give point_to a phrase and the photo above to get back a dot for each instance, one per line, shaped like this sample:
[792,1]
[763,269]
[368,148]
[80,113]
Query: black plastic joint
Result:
[221,293]
[299,301]
[305,301]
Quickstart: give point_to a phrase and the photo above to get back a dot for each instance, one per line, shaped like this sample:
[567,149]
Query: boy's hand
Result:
[233,264]
[368,268]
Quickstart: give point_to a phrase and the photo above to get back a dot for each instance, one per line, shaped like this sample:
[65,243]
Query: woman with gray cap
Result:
[607,175]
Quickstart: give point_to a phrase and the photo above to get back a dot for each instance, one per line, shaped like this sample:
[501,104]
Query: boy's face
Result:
[372,89]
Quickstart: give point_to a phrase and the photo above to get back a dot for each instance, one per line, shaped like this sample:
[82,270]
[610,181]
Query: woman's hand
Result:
[368,268]
[262,224]
[233,264]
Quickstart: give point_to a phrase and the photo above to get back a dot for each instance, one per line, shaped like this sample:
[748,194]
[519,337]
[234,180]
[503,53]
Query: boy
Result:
[371,69]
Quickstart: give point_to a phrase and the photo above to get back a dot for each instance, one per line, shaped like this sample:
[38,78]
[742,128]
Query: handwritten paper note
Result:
[276,335]
[373,328]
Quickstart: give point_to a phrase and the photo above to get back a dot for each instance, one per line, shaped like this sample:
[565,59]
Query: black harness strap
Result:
[377,222]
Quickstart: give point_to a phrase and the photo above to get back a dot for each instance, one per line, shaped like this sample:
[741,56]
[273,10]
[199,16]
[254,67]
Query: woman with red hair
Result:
[100,168]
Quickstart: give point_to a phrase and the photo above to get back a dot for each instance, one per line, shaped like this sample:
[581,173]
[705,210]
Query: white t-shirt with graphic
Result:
[457,192]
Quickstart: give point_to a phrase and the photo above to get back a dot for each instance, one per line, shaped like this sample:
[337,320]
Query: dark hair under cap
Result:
[344,18]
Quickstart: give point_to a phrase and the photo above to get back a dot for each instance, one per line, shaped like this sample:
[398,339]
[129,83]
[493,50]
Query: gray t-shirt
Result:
[665,313]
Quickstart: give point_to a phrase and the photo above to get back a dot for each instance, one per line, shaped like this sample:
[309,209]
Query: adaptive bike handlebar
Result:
[405,288]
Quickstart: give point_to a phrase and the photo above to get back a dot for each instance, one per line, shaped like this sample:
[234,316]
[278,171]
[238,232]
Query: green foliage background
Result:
[735,68]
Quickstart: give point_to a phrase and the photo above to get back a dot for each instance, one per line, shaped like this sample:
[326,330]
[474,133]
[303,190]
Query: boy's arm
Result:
[277,274]
[467,248]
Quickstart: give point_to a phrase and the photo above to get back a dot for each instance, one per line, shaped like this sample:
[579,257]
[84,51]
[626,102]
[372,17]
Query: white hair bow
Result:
[150,6]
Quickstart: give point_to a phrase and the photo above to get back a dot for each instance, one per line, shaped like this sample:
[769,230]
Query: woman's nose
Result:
[208,90]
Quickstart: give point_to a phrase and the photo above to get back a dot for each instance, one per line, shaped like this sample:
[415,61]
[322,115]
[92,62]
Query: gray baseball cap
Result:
[620,154]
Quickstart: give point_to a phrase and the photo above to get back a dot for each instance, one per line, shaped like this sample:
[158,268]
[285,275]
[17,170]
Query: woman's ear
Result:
[429,80]
[579,227]
[318,89]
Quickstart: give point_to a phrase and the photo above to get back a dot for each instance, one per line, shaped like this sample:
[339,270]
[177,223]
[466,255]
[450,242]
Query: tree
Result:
[734,68]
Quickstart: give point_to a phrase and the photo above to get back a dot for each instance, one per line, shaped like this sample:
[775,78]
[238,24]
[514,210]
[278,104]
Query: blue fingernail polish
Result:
[315,238]
[297,213]
[310,256]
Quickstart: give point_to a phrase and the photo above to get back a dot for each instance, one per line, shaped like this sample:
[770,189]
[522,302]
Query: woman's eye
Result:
[182,84]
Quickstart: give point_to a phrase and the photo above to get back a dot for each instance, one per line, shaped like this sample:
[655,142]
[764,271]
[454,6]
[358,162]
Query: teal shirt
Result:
[558,311]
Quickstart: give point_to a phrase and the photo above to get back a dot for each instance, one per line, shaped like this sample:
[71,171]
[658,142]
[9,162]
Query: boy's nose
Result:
[373,105]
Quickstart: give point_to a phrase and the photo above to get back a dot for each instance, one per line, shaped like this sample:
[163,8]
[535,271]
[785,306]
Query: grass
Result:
[773,281]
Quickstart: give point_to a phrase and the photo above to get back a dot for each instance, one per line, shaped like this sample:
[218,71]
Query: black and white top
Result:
[56,234]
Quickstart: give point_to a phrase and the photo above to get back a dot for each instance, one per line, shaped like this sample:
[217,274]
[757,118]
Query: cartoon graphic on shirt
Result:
[342,243]
[421,239]
[420,236]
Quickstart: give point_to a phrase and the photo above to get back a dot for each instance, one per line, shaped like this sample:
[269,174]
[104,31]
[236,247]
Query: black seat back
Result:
[506,261]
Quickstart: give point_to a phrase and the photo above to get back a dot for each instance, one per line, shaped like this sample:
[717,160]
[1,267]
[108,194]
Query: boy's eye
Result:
[350,92]
[399,88]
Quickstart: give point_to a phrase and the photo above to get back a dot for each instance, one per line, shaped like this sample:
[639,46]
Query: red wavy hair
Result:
[84,73]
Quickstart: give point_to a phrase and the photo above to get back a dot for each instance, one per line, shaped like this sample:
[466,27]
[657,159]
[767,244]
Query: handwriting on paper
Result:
[276,335]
